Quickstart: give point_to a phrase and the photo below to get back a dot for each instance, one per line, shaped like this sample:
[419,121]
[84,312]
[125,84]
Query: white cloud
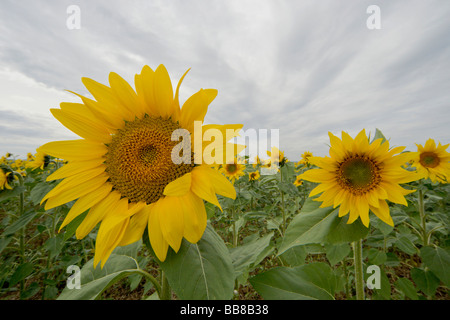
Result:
[305,68]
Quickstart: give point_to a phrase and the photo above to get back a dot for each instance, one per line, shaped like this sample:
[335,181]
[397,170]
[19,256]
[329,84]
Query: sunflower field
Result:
[112,216]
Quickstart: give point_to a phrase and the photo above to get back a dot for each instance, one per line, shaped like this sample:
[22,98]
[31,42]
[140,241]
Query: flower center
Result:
[139,162]
[231,168]
[429,159]
[358,174]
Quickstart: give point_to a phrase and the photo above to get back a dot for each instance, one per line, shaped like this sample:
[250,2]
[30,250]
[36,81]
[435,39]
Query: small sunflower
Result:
[6,177]
[433,161]
[360,176]
[305,158]
[278,155]
[122,170]
[298,181]
[39,160]
[253,176]
[233,171]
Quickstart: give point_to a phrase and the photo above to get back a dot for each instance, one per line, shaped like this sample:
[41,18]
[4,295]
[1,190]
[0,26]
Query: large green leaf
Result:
[320,225]
[246,255]
[438,260]
[425,280]
[20,223]
[94,281]
[201,271]
[307,282]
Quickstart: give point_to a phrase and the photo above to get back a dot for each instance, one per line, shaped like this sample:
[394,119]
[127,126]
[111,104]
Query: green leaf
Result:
[384,293]
[376,256]
[40,190]
[295,256]
[73,225]
[20,223]
[337,252]
[246,255]
[406,245]
[320,225]
[94,281]
[54,245]
[283,283]
[201,271]
[438,260]
[23,271]
[11,193]
[378,135]
[407,287]
[425,280]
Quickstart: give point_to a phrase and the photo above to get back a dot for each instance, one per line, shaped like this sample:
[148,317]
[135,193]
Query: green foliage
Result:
[271,242]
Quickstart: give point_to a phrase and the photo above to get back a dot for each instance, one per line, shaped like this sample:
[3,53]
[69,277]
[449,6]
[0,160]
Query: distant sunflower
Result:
[233,171]
[433,161]
[360,176]
[6,177]
[253,176]
[122,169]
[298,181]
[305,158]
[39,160]
[278,155]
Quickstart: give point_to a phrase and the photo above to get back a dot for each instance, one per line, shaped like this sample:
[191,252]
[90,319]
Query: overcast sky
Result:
[303,67]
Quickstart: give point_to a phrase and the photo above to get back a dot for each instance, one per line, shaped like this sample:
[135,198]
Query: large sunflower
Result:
[122,170]
[433,161]
[360,176]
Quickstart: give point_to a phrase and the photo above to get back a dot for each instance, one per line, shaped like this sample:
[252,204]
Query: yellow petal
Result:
[137,225]
[125,94]
[97,213]
[203,187]
[221,184]
[73,181]
[111,232]
[163,91]
[144,88]
[176,116]
[75,167]
[85,202]
[171,219]
[159,244]
[77,150]
[76,192]
[195,218]
[105,96]
[178,187]
[382,212]
[82,126]
[196,106]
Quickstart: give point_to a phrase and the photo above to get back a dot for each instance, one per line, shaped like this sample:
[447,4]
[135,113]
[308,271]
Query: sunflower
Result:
[298,181]
[253,176]
[305,158]
[433,161]
[360,176]
[5,179]
[233,171]
[122,168]
[278,157]
[39,160]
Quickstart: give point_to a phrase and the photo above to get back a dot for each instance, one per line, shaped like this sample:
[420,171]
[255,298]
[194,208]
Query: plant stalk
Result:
[359,276]
[422,218]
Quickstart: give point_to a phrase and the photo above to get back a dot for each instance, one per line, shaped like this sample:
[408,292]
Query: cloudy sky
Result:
[303,67]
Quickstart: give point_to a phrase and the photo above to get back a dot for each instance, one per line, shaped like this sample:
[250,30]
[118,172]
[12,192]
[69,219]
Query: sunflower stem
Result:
[359,276]
[282,205]
[22,231]
[423,217]
[166,292]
